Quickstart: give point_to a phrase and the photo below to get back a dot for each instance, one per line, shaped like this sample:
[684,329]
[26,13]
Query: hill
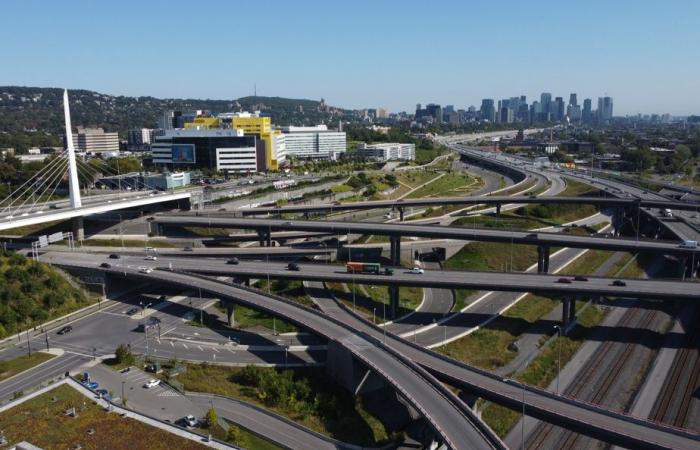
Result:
[30,109]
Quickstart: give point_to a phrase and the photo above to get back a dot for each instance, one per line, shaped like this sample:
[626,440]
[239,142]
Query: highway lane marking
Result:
[112,313]
[185,345]
[214,348]
[171,344]
[200,348]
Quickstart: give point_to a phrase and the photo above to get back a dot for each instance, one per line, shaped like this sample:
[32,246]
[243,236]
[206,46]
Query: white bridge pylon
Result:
[73,188]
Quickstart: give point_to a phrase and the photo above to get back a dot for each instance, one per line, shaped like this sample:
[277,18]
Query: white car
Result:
[151,258]
[149,249]
[190,420]
[153,382]
[145,270]
[417,270]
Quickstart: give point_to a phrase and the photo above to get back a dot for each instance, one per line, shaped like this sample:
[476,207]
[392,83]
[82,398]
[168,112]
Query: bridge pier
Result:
[618,219]
[687,267]
[230,315]
[498,210]
[265,238]
[401,213]
[395,250]
[568,311]
[393,301]
[78,228]
[542,259]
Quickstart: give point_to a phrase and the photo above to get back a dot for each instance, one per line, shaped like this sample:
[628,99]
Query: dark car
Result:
[293,266]
[106,265]
[619,283]
[564,280]
[132,311]
[580,278]
[388,271]
[114,256]
[233,260]
[66,329]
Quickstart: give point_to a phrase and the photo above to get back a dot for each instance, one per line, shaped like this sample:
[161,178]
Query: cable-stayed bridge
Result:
[35,202]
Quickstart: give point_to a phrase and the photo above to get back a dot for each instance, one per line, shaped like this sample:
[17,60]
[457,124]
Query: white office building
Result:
[314,142]
[95,140]
[388,151]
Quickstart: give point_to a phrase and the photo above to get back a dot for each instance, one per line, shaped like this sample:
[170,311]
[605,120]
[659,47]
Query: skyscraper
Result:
[435,111]
[488,110]
[558,110]
[587,113]
[572,100]
[605,109]
[545,102]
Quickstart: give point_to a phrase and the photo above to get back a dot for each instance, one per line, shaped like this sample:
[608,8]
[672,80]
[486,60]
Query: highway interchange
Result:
[448,414]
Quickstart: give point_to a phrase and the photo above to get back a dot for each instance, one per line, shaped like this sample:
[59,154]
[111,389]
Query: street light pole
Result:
[558,328]
[201,307]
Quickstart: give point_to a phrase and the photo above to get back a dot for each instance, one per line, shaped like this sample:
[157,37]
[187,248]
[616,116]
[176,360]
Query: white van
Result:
[689,244]
[667,213]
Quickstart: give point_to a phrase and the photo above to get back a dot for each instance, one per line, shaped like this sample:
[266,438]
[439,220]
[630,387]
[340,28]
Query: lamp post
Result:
[123,382]
[558,328]
[201,307]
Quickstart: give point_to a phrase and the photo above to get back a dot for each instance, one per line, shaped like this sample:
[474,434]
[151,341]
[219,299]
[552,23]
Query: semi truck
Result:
[374,268]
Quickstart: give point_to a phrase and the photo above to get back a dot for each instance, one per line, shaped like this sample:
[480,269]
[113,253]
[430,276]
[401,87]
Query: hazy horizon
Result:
[365,54]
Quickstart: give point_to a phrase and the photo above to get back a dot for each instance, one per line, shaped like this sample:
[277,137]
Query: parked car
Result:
[66,329]
[580,278]
[91,384]
[105,265]
[114,256]
[153,382]
[132,311]
[619,283]
[293,266]
[104,394]
[417,270]
[564,280]
[190,420]
[233,260]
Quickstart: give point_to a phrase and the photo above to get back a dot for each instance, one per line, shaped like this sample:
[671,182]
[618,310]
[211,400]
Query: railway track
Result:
[633,317]
[673,405]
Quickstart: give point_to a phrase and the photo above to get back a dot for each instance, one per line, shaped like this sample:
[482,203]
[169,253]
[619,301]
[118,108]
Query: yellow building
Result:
[204,122]
[262,126]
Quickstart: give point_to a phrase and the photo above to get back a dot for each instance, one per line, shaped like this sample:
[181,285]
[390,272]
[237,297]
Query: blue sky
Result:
[391,54]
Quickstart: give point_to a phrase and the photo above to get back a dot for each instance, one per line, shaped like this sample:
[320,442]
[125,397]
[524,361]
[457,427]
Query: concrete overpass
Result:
[452,421]
[592,420]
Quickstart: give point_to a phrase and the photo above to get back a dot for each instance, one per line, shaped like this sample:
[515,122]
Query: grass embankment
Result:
[452,183]
[12,367]
[208,231]
[414,178]
[424,155]
[39,229]
[155,243]
[369,298]
[42,421]
[307,396]
[563,213]
[33,293]
[291,289]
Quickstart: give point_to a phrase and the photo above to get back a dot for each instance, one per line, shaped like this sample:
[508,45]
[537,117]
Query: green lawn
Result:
[414,178]
[41,421]
[369,298]
[307,396]
[493,256]
[451,184]
[12,367]
[291,289]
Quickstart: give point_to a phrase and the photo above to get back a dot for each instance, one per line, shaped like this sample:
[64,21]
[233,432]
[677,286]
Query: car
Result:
[153,382]
[417,270]
[149,249]
[564,281]
[288,223]
[293,267]
[114,256]
[580,278]
[619,283]
[337,203]
[187,249]
[132,311]
[90,384]
[233,260]
[388,271]
[531,235]
[104,394]
[66,329]
[105,265]
[190,420]
[151,258]
[145,270]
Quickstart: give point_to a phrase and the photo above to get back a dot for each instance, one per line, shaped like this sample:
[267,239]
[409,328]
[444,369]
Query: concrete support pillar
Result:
[393,301]
[261,238]
[565,310]
[229,314]
[306,215]
[78,228]
[395,250]
[542,259]
[617,220]
[401,213]
[265,238]
[572,310]
[498,209]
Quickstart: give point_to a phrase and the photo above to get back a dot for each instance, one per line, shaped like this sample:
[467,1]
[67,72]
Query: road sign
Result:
[43,241]
[56,237]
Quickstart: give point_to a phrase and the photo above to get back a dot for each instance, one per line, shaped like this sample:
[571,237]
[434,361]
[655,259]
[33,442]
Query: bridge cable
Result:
[55,181]
[57,173]
[33,179]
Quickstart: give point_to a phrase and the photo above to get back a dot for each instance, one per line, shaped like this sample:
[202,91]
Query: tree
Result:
[212,418]
[235,436]
[123,355]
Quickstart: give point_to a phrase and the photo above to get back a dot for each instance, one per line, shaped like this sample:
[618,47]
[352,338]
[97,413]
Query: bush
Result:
[235,436]
[212,418]
[123,355]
